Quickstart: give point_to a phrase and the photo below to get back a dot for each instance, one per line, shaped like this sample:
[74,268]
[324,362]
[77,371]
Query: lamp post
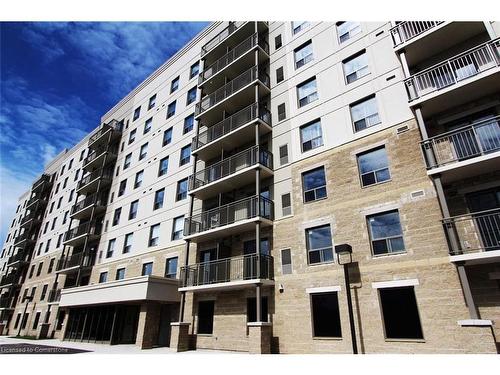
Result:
[344,257]
[28,299]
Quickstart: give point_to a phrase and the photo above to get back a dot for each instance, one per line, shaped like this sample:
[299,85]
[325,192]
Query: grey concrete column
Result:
[469,300]
[490,30]
[404,63]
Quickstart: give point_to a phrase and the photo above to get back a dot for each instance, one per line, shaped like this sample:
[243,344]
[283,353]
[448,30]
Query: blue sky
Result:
[58,78]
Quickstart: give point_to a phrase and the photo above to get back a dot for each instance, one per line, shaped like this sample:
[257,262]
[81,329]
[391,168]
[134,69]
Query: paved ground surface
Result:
[53,346]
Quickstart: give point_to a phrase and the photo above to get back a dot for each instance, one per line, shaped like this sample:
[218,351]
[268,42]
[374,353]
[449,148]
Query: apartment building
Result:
[209,208]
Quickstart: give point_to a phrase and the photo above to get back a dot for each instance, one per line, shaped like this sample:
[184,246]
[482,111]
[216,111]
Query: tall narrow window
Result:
[127,243]
[147,125]
[303,54]
[144,151]
[163,168]
[178,228]
[188,124]
[122,187]
[286,261]
[174,85]
[103,277]
[111,248]
[131,136]
[36,320]
[281,112]
[286,204]
[283,154]
[400,313]
[311,136]
[185,155]
[138,179]
[154,235]
[195,69]
[167,136]
[152,102]
[137,113]
[116,216]
[278,42]
[326,315]
[159,196]
[171,109]
[356,67]
[386,234]
[171,268]
[347,29]
[182,189]
[319,244]
[127,161]
[191,95]
[205,317]
[307,92]
[44,292]
[120,273]
[314,184]
[364,114]
[374,167]
[280,76]
[134,206]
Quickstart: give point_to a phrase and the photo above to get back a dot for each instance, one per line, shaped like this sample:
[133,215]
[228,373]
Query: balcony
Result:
[96,157]
[240,89]
[18,259]
[9,280]
[23,239]
[477,237]
[231,132]
[90,182]
[35,202]
[222,36]
[76,236]
[29,219]
[107,133]
[235,59]
[232,218]
[7,303]
[458,72]
[467,151]
[235,171]
[83,208]
[229,273]
[407,30]
[71,263]
[54,296]
[41,184]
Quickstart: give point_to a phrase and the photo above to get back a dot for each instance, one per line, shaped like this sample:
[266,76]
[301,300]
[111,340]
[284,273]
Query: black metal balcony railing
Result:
[244,159]
[231,87]
[246,267]
[40,181]
[407,30]
[6,302]
[95,198]
[36,199]
[247,208]
[33,215]
[98,152]
[230,124]
[212,43]
[88,228]
[78,259]
[456,69]
[475,232]
[10,278]
[54,295]
[112,125]
[232,55]
[470,141]
[20,256]
[23,237]
[99,173]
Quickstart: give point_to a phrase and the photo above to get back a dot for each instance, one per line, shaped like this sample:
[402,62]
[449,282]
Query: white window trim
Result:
[395,283]
[324,289]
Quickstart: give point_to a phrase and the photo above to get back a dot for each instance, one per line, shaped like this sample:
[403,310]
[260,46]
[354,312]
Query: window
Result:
[59,202]
[103,277]
[18,317]
[374,167]
[386,234]
[144,151]
[152,102]
[163,168]
[281,112]
[147,125]
[205,317]
[278,42]
[311,136]
[39,248]
[82,154]
[303,54]
[53,224]
[127,243]
[131,136]
[182,188]
[298,26]
[326,315]
[138,179]
[47,245]
[59,241]
[319,244]
[111,248]
[171,268]
[132,214]
[400,313]
[195,69]
[62,169]
[154,235]
[283,154]
[356,67]
[77,173]
[178,228]
[191,96]
[50,211]
[120,274]
[347,29]
[116,216]
[25,320]
[71,193]
[47,223]
[57,188]
[167,136]
[65,183]
[307,92]
[159,195]
[188,124]
[44,292]
[137,113]
[147,269]
[174,85]
[314,184]
[122,187]
[280,76]
[286,204]
[364,114]
[286,261]
[171,109]
[39,269]
[185,155]
[37,319]
[127,160]
[252,309]
[51,264]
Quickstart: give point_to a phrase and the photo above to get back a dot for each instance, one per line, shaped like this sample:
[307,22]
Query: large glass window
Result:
[326,315]
[154,235]
[171,268]
[191,96]
[205,317]
[319,244]
[356,67]
[311,136]
[314,184]
[307,92]
[374,166]
[159,196]
[185,155]
[386,234]
[303,54]
[347,29]
[365,114]
[178,228]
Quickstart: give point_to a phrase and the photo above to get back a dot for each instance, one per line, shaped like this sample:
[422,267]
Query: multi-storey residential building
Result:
[206,209]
